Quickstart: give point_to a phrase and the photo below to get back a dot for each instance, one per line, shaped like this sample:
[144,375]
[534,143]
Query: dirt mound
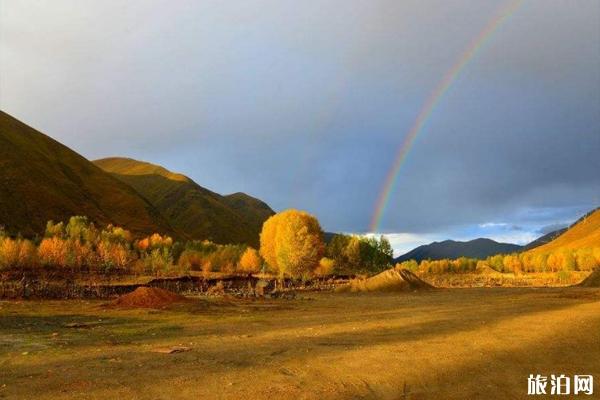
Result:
[593,280]
[391,280]
[148,297]
[486,270]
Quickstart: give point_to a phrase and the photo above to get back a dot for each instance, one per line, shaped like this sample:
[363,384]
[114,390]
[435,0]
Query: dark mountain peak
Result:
[198,212]
[476,248]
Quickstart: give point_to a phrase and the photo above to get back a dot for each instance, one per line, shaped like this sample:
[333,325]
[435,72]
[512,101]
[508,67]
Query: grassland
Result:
[455,344]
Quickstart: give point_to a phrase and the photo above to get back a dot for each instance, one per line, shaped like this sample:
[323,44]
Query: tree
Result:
[53,251]
[79,228]
[291,242]
[353,254]
[250,261]
[385,248]
[54,230]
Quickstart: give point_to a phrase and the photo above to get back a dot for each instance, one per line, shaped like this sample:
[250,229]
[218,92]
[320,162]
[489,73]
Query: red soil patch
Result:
[148,297]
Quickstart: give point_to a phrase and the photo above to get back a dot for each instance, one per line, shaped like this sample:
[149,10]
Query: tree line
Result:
[583,259]
[291,245]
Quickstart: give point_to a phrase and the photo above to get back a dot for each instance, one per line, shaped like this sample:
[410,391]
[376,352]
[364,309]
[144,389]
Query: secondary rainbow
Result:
[449,77]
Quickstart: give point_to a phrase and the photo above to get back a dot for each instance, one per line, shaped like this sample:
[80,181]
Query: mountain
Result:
[585,233]
[548,237]
[190,208]
[477,248]
[41,180]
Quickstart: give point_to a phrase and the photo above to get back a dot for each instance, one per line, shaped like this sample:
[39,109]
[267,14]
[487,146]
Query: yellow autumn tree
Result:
[291,243]
[250,261]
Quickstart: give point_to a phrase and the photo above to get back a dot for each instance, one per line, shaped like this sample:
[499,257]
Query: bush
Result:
[191,260]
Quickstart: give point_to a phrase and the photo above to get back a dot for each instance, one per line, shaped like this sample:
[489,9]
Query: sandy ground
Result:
[448,344]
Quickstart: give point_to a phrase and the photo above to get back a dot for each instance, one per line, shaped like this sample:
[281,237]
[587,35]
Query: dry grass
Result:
[497,279]
[444,344]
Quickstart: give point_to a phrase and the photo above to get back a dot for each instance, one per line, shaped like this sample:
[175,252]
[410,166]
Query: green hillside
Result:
[41,180]
[190,208]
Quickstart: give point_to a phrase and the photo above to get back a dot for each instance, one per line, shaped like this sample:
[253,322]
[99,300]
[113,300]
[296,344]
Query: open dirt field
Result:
[446,344]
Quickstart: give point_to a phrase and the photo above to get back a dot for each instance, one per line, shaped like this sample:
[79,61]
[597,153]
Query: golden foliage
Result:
[325,267]
[154,241]
[292,243]
[16,253]
[53,251]
[250,261]
[113,255]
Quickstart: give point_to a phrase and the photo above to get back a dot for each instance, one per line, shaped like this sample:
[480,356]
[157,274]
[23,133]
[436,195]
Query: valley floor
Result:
[445,344]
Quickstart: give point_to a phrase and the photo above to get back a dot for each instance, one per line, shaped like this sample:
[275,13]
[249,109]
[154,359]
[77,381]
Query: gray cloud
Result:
[304,104]
[551,228]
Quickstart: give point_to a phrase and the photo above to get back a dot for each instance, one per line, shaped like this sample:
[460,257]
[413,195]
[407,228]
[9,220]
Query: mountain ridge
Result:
[583,233]
[452,249]
[42,180]
[189,207]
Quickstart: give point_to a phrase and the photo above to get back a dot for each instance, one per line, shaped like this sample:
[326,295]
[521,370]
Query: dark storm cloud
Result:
[304,104]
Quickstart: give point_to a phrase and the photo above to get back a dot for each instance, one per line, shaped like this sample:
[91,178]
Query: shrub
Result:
[191,260]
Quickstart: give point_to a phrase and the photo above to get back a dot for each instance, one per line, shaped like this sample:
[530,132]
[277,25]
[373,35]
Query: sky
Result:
[306,104]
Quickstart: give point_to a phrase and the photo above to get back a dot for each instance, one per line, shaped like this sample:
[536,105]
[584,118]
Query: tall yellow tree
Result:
[291,242]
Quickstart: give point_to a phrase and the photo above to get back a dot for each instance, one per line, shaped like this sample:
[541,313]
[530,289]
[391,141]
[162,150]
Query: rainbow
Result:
[434,98]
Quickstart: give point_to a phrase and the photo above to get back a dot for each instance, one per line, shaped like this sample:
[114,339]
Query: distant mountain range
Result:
[41,180]
[584,233]
[191,209]
[478,248]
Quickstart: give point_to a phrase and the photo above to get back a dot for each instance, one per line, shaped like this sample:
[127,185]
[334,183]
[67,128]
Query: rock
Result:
[172,350]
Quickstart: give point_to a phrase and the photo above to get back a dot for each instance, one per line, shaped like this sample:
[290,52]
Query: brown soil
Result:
[388,281]
[592,281]
[148,297]
[476,343]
